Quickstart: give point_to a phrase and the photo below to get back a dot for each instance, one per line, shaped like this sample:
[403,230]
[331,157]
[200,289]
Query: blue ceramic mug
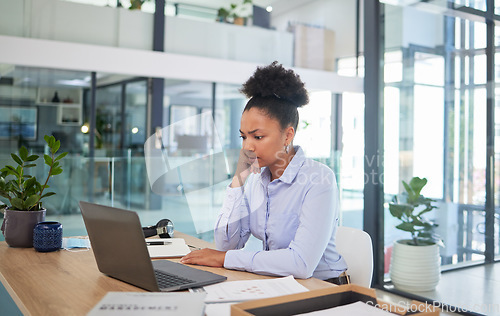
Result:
[47,236]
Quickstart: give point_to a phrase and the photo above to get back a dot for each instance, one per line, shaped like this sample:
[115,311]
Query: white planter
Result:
[415,268]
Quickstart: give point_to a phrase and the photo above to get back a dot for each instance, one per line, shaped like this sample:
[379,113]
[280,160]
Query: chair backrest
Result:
[355,246]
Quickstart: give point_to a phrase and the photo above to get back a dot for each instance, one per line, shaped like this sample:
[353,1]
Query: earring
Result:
[286,148]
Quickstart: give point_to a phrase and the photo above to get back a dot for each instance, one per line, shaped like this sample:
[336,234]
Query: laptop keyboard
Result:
[166,280]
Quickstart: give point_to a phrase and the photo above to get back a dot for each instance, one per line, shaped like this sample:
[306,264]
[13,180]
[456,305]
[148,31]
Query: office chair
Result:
[355,246]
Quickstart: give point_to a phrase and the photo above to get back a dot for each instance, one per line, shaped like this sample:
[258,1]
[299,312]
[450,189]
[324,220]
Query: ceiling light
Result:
[73,82]
[269,8]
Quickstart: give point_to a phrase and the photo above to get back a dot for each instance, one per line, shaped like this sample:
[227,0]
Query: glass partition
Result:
[434,128]
[35,102]
[435,118]
[202,143]
[350,158]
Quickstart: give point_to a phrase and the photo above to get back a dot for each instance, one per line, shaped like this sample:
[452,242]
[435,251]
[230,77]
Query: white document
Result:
[357,308]
[137,303]
[218,309]
[236,291]
[170,247]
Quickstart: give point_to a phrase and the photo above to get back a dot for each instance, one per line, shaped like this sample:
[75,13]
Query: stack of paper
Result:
[167,247]
[221,296]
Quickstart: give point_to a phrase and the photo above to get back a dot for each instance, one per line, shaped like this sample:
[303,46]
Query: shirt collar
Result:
[291,170]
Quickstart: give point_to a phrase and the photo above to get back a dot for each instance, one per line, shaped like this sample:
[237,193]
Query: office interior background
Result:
[425,108]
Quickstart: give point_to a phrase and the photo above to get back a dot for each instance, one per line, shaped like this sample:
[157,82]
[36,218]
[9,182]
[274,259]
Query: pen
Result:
[158,243]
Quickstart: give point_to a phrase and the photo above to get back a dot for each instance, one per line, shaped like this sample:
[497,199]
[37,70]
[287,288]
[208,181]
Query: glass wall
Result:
[348,131]
[119,135]
[106,163]
[35,102]
[198,146]
[202,143]
[348,156]
[435,124]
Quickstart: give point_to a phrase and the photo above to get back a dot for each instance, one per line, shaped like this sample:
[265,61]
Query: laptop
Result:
[121,252]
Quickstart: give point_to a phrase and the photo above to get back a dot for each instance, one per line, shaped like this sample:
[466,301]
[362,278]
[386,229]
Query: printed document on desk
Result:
[167,247]
[137,303]
[237,291]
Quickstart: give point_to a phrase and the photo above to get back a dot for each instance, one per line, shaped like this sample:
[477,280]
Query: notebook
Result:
[167,247]
[120,251]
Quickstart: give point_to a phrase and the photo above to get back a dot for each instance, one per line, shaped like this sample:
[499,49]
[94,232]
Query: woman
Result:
[279,196]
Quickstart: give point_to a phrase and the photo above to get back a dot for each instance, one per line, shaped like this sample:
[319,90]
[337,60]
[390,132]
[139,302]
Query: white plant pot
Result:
[415,268]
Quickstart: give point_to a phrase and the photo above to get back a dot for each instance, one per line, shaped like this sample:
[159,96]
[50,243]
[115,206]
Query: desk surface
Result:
[69,283]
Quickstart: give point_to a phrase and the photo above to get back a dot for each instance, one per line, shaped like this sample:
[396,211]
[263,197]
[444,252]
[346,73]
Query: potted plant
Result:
[237,13]
[415,262]
[136,4]
[222,15]
[22,193]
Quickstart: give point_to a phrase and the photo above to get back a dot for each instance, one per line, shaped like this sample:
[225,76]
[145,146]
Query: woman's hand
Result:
[205,257]
[247,163]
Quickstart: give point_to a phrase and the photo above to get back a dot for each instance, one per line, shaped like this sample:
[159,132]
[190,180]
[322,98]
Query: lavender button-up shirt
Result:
[295,216]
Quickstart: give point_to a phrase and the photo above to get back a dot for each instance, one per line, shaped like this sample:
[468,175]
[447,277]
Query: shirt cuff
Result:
[232,201]
[230,191]
[233,195]
[239,260]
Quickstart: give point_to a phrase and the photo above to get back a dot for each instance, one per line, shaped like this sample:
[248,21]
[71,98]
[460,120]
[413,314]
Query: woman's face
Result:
[263,137]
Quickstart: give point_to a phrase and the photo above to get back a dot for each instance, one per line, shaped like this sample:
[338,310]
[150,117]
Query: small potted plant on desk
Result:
[23,194]
[415,263]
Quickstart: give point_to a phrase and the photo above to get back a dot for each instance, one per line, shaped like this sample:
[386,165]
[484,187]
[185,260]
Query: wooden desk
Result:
[69,283]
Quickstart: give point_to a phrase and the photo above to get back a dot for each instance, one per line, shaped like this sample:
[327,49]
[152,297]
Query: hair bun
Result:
[274,80]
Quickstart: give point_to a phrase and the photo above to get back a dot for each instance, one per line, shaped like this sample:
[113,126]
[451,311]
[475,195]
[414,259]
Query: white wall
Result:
[12,17]
[393,26]
[227,41]
[120,27]
[407,25]
[65,35]
[404,25]
[112,60]
[422,28]
[77,23]
[336,15]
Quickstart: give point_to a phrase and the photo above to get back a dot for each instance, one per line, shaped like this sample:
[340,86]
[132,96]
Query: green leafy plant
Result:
[22,191]
[136,4]
[409,208]
[222,14]
[236,10]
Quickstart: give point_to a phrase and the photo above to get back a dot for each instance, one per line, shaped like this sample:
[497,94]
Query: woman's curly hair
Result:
[277,91]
